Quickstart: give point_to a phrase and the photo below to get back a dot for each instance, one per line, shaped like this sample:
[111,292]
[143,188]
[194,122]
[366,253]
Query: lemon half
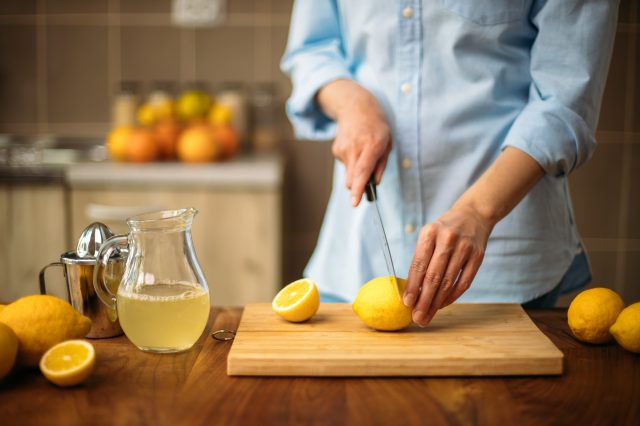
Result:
[68,363]
[298,301]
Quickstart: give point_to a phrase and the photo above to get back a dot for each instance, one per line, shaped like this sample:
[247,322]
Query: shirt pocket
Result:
[487,12]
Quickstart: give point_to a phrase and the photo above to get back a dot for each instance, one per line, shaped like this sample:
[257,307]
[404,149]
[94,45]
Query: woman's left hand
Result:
[447,257]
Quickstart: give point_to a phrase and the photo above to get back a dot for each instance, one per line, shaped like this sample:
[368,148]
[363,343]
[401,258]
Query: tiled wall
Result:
[61,60]
[606,191]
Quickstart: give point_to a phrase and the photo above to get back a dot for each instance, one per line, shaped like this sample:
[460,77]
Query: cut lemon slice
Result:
[298,301]
[68,363]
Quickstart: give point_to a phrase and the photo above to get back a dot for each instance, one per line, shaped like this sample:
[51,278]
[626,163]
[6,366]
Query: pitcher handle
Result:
[43,287]
[106,249]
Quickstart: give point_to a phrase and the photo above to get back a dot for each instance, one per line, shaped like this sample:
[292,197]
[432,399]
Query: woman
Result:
[470,115]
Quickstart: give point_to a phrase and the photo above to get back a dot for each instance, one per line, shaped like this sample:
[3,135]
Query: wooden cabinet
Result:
[33,231]
[236,233]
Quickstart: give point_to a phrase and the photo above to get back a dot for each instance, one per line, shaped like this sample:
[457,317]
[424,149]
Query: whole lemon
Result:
[2,307]
[146,115]
[41,321]
[592,313]
[379,306]
[8,349]
[117,142]
[626,329]
[192,104]
[220,115]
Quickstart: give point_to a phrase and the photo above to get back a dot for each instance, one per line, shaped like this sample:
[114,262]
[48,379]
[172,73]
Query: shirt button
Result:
[406,163]
[409,229]
[407,12]
[406,88]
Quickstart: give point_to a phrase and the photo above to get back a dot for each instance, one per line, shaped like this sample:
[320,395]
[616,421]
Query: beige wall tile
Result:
[279,43]
[286,129]
[633,227]
[631,292]
[282,6]
[626,13]
[149,54]
[242,6]
[603,267]
[77,74]
[225,54]
[297,251]
[18,74]
[76,6]
[145,6]
[635,113]
[17,7]
[310,183]
[612,110]
[595,191]
[263,58]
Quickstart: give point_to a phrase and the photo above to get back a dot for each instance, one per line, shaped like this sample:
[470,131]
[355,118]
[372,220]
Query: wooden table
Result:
[601,385]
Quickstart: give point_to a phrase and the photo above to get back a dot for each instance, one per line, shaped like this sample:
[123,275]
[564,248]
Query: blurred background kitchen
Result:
[72,71]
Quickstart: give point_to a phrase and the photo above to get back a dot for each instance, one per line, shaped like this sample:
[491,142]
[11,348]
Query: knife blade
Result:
[372,196]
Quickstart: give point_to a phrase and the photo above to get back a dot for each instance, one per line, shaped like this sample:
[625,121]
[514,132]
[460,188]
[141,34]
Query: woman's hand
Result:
[447,257]
[450,250]
[363,139]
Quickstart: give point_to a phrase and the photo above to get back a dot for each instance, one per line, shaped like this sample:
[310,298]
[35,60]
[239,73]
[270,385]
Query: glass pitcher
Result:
[163,299]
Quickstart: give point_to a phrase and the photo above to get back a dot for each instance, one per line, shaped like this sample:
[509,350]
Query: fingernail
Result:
[354,201]
[409,300]
[417,317]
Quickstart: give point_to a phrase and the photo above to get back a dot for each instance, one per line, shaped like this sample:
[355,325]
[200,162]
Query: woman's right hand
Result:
[363,138]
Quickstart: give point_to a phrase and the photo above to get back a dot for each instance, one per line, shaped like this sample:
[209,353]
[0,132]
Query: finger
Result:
[382,164]
[424,250]
[458,260]
[350,164]
[433,279]
[469,272]
[361,174]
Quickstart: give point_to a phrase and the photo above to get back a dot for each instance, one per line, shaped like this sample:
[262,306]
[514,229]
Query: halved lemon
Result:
[68,363]
[298,301]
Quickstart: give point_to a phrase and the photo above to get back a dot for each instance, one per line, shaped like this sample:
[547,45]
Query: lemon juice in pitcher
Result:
[162,300]
[164,317]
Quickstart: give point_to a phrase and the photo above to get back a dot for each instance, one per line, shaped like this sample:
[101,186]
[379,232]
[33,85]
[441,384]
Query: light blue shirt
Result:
[459,80]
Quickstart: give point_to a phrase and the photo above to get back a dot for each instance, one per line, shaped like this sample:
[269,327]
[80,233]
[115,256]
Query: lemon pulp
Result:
[68,363]
[298,301]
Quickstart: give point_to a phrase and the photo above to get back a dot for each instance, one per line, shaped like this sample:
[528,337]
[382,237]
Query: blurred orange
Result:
[229,140]
[167,133]
[117,142]
[142,146]
[197,144]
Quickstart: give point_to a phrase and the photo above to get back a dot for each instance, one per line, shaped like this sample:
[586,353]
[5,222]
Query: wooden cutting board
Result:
[462,340]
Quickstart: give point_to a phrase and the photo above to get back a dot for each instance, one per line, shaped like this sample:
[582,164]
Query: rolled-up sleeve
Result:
[569,61]
[314,57]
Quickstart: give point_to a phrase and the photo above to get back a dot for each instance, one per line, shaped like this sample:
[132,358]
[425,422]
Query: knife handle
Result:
[370,189]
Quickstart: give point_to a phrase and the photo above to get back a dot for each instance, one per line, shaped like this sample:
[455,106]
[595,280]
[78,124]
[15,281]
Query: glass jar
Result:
[163,298]
[266,133]
[125,104]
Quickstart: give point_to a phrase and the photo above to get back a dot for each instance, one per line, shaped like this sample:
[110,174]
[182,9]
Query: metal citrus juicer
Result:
[78,267]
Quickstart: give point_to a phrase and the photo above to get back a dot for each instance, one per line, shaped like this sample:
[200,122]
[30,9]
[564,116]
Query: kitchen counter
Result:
[601,385]
[255,171]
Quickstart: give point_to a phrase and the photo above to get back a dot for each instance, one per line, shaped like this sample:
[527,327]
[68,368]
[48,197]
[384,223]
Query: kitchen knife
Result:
[372,196]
